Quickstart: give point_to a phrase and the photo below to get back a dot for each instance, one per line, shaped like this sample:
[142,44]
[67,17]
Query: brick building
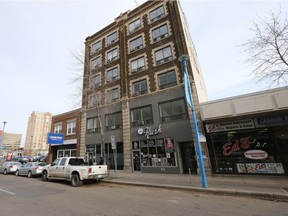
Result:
[68,124]
[134,107]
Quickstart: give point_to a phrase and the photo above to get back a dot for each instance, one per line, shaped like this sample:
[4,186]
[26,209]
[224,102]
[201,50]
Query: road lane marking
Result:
[7,192]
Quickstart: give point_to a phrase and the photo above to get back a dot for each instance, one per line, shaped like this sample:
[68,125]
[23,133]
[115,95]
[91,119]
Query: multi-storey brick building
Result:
[133,94]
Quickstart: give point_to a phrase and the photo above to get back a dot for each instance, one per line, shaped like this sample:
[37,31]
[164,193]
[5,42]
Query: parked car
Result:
[30,169]
[9,167]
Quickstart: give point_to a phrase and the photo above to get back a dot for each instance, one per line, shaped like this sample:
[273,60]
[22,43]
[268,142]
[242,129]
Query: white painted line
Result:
[7,192]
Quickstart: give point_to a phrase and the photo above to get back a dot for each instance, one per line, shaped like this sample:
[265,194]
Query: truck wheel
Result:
[44,176]
[29,174]
[75,180]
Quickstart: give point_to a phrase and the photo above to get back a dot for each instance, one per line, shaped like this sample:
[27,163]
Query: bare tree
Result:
[89,93]
[268,49]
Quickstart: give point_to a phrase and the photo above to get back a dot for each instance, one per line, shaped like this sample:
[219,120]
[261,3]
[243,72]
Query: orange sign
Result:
[0,133]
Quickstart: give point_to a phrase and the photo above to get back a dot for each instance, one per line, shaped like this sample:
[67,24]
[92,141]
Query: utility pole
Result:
[189,97]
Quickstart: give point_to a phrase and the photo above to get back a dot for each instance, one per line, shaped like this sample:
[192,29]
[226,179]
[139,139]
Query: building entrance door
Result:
[188,157]
[136,161]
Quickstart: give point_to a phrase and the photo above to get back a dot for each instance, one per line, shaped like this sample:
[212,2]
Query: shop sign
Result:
[256,154]
[271,121]
[239,144]
[229,126]
[55,138]
[147,132]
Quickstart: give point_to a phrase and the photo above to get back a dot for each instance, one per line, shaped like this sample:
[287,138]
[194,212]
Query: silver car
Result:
[30,169]
[9,167]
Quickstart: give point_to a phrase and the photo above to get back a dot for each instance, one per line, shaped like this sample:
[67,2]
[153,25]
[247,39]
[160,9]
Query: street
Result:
[23,196]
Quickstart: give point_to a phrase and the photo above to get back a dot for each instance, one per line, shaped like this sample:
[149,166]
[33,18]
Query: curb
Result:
[215,191]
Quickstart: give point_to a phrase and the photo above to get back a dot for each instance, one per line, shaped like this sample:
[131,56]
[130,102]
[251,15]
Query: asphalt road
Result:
[23,196]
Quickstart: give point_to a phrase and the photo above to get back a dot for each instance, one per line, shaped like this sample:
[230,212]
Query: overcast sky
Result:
[37,38]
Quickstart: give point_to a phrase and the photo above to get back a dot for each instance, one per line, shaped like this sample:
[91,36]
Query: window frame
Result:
[112,52]
[95,66]
[71,130]
[114,124]
[140,92]
[168,117]
[134,28]
[137,69]
[168,84]
[95,48]
[56,129]
[142,120]
[112,78]
[157,15]
[111,39]
[164,58]
[133,47]
[161,36]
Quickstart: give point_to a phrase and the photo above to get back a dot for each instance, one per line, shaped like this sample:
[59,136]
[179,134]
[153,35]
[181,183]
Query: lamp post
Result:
[2,137]
[188,92]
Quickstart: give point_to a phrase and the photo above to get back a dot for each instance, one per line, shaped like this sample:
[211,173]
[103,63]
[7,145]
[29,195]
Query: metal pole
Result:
[189,98]
[2,137]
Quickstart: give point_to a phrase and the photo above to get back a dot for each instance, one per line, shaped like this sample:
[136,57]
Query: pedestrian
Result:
[101,161]
[90,161]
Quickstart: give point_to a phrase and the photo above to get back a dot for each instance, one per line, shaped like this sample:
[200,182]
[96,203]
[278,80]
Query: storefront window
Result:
[159,152]
[245,152]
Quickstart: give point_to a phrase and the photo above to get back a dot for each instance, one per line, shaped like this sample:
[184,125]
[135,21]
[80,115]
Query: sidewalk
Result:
[263,187]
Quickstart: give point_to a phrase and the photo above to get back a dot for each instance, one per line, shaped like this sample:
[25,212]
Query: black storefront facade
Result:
[248,134]
[157,145]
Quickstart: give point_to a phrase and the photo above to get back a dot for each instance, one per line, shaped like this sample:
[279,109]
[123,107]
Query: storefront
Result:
[113,154]
[250,146]
[153,152]
[248,134]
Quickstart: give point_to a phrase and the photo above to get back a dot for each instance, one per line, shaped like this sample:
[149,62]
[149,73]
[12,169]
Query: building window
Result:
[71,127]
[141,116]
[112,55]
[167,79]
[136,44]
[140,87]
[113,95]
[96,46]
[163,55]
[172,110]
[138,65]
[112,38]
[159,152]
[92,125]
[113,121]
[58,128]
[112,74]
[96,80]
[160,33]
[157,13]
[134,26]
[96,63]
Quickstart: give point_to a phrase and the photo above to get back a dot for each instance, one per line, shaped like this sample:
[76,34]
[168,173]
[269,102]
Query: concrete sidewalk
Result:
[263,187]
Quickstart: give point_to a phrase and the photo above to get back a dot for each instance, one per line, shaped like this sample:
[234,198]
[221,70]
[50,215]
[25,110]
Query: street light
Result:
[2,137]
[188,92]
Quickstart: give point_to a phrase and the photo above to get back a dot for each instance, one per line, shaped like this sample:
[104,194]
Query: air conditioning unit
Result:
[113,127]
[134,70]
[141,122]
[136,94]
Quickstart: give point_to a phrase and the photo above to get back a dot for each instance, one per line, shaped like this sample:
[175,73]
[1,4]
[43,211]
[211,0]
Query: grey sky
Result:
[37,38]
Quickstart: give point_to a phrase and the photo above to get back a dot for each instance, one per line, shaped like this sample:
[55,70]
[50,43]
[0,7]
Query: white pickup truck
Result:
[73,169]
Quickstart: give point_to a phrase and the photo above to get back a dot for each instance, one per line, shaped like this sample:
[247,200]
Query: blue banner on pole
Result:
[55,138]
[188,91]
